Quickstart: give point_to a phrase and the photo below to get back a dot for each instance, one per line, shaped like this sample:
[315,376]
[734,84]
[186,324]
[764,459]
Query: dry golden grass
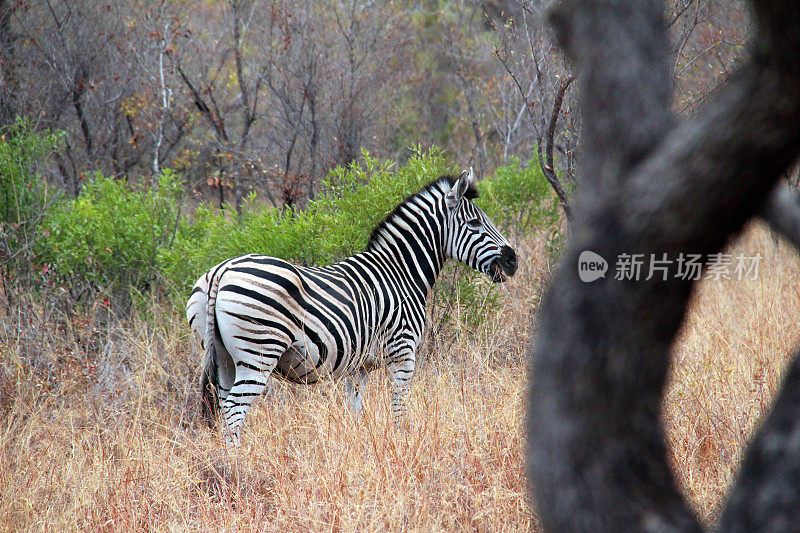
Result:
[99,426]
[727,366]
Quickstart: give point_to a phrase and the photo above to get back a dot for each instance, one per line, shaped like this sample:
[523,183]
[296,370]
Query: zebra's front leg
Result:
[401,363]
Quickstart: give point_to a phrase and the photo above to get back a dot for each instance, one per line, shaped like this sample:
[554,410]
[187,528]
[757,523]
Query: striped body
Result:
[257,315]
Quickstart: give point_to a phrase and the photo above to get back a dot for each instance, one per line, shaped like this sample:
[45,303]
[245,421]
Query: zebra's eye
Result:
[474,223]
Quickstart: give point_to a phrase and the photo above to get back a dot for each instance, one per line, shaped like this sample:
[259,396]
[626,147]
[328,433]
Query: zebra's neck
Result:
[412,237]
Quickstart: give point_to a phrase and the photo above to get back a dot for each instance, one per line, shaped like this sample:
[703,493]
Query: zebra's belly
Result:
[301,363]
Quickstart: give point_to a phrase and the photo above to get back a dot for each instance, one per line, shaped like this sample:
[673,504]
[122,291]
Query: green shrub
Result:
[518,198]
[465,296]
[109,238]
[24,196]
[117,239]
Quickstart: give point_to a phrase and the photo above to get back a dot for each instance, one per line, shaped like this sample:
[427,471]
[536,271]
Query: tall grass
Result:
[99,427]
[727,366]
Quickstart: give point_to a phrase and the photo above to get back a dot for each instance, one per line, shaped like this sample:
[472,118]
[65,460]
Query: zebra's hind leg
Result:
[226,370]
[354,389]
[254,363]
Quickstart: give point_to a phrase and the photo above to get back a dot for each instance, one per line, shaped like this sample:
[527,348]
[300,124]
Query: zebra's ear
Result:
[460,187]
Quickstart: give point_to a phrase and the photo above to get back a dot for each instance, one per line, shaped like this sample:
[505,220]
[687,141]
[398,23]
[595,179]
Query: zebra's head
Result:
[471,237]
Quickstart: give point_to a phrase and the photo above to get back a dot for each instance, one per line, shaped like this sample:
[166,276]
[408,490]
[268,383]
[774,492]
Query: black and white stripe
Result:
[257,315]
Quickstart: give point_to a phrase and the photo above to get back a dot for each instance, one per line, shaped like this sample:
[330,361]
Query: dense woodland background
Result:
[143,141]
[245,95]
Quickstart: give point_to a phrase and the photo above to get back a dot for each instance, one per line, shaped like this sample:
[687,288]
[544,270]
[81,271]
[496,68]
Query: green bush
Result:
[117,239]
[23,194]
[109,238]
[518,198]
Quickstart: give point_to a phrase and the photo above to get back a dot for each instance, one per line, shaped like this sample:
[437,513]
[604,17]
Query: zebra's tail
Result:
[209,384]
[209,380]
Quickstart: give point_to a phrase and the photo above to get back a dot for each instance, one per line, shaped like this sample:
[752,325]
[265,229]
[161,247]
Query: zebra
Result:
[257,315]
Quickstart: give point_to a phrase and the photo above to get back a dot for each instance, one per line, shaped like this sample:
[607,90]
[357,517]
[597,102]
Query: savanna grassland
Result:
[141,142]
[100,427]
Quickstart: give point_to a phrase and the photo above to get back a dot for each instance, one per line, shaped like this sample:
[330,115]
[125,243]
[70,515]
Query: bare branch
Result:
[212,118]
[548,168]
[678,13]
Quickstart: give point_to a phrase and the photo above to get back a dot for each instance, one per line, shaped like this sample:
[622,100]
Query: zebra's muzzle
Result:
[504,266]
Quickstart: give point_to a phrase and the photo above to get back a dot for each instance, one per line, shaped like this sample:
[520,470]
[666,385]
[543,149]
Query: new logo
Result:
[591,266]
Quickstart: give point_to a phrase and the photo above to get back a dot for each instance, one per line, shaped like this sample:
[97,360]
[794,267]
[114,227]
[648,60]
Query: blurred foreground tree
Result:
[654,185]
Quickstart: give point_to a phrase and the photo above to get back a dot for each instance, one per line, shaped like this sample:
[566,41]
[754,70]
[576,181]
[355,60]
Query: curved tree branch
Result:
[548,168]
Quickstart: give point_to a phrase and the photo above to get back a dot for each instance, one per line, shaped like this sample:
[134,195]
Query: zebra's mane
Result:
[437,185]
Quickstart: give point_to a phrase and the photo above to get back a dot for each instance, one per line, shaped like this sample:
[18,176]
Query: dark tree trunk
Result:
[597,456]
[312,175]
[8,75]
[78,90]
